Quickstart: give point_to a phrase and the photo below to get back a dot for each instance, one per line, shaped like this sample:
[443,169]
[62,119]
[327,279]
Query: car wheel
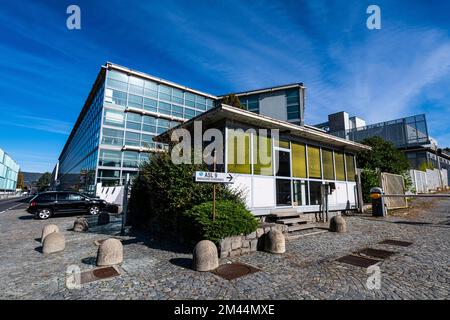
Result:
[44,213]
[94,210]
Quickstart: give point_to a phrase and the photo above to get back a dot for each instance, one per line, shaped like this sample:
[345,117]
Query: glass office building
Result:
[114,132]
[9,171]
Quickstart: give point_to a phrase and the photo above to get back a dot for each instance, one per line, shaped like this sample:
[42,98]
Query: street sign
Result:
[214,177]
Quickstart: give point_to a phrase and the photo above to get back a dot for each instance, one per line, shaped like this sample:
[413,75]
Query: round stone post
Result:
[205,257]
[54,242]
[50,228]
[110,252]
[338,224]
[275,242]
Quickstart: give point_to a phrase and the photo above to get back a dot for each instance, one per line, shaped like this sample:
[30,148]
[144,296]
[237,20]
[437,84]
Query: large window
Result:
[284,197]
[132,139]
[114,118]
[282,163]
[300,191]
[350,162]
[116,97]
[328,167]
[262,155]
[130,159]
[298,160]
[134,121]
[109,158]
[315,194]
[238,151]
[112,137]
[340,166]
[314,165]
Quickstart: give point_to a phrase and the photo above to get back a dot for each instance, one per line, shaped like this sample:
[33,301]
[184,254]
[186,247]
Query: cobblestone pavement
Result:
[308,270]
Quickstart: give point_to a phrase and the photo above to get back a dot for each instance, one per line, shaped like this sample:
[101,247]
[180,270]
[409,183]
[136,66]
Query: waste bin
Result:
[378,209]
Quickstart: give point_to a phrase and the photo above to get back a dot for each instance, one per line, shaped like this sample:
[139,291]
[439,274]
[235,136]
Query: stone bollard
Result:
[80,225]
[205,257]
[54,242]
[338,224]
[103,218]
[50,228]
[275,242]
[110,252]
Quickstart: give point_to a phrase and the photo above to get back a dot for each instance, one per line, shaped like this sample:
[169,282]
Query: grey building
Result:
[285,102]
[409,134]
[126,109]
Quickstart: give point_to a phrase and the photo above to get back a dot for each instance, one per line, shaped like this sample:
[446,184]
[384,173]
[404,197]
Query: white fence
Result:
[431,180]
[111,194]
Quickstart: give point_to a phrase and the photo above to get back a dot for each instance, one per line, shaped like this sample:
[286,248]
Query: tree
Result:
[232,100]
[20,181]
[383,157]
[44,181]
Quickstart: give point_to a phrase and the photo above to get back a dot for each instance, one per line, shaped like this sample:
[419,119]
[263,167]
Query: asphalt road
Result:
[15,203]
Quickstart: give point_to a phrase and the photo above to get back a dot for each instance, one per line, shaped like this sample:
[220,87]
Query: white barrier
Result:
[430,180]
[111,194]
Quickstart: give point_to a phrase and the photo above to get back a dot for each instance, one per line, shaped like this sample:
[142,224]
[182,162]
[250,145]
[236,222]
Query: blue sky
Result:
[220,47]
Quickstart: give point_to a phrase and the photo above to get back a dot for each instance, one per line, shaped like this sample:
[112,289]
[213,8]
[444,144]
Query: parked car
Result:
[46,204]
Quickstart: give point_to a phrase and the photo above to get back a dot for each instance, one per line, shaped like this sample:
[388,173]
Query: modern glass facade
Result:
[403,133]
[283,103]
[9,170]
[300,168]
[115,130]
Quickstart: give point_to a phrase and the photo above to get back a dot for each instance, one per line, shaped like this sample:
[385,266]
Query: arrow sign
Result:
[214,177]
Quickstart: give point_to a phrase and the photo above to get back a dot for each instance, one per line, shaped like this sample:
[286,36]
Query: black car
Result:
[46,204]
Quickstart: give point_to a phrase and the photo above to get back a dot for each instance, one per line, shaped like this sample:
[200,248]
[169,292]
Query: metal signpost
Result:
[214,177]
[125,204]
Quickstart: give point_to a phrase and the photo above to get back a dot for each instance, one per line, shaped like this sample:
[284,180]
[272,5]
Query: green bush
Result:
[163,191]
[369,180]
[232,218]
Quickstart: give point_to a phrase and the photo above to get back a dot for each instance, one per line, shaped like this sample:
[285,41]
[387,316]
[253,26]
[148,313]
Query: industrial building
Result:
[409,134]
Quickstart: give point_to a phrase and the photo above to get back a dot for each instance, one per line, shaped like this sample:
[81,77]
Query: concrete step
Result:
[284,213]
[298,227]
[292,220]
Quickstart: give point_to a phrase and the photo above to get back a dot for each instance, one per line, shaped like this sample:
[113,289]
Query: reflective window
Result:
[298,160]
[130,159]
[134,121]
[238,149]
[150,105]
[315,193]
[328,167]
[164,108]
[132,139]
[109,158]
[114,118]
[340,166]
[350,162]
[314,165]
[262,155]
[135,101]
[300,190]
[112,137]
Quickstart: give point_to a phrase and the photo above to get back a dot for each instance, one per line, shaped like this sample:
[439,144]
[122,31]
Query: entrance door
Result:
[283,169]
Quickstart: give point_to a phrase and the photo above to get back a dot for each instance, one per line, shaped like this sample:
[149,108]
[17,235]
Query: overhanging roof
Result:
[256,120]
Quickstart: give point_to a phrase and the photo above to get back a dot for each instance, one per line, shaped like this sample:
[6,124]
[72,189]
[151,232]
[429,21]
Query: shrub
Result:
[369,180]
[232,218]
[163,191]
